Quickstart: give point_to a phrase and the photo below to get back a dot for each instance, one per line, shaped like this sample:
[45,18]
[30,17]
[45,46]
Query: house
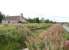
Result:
[14,19]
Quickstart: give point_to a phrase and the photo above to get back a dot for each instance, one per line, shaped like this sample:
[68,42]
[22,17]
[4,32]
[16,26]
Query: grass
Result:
[14,37]
[66,35]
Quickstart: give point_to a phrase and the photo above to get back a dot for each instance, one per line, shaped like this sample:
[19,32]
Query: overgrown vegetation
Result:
[15,37]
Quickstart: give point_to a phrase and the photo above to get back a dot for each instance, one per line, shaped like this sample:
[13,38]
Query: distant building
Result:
[14,19]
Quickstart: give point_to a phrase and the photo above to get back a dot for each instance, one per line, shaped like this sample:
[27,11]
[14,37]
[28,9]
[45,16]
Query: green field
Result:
[15,37]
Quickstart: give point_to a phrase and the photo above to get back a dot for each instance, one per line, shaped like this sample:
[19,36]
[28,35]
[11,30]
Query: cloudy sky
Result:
[56,10]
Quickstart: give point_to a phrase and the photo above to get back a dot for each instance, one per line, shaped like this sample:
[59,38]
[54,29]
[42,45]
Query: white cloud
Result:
[40,8]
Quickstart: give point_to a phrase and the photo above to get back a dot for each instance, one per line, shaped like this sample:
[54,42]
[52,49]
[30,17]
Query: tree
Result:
[36,20]
[30,20]
[47,21]
[42,20]
[1,17]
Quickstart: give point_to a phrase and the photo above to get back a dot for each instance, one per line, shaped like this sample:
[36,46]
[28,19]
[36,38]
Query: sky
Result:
[56,10]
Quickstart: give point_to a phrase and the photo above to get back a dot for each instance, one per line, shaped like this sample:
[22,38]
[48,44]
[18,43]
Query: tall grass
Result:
[16,37]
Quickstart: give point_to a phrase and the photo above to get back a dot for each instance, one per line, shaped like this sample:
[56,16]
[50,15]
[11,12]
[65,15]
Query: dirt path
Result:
[54,37]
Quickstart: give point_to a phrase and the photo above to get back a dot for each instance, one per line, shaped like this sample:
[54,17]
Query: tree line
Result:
[37,20]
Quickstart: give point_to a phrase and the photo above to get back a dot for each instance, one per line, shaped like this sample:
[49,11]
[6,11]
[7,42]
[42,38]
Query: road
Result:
[66,27]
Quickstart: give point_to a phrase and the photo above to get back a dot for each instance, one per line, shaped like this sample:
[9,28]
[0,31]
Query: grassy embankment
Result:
[11,36]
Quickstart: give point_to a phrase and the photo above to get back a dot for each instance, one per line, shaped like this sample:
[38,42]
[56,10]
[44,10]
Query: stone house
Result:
[14,19]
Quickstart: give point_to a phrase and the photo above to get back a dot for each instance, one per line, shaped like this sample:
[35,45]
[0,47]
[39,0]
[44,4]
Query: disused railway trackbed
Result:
[53,37]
